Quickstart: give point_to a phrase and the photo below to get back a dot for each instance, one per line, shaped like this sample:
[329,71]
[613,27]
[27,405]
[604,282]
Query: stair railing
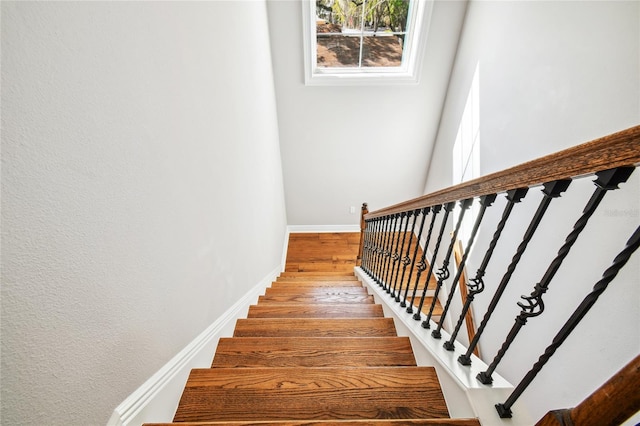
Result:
[611,160]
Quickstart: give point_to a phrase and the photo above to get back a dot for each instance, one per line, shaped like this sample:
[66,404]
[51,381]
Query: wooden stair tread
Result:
[315,291]
[392,422]
[293,273]
[314,327]
[332,310]
[311,393]
[313,352]
[315,284]
[318,276]
[318,283]
[298,299]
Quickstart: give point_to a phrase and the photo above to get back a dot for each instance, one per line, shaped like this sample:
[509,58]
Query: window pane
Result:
[338,51]
[382,51]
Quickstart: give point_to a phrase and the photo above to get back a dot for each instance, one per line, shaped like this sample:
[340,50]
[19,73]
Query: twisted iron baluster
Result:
[400,258]
[389,249]
[395,256]
[443,272]
[422,265]
[587,303]
[485,201]
[550,191]
[383,248]
[533,305]
[371,229]
[406,260]
[425,211]
[366,246]
[476,284]
[380,248]
[373,223]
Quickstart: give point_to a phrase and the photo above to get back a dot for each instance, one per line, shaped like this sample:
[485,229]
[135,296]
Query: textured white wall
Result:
[342,146]
[552,75]
[142,192]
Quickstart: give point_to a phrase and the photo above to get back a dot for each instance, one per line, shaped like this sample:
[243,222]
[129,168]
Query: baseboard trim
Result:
[157,399]
[291,229]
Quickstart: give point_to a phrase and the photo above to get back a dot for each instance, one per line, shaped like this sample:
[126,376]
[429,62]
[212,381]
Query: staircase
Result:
[315,349]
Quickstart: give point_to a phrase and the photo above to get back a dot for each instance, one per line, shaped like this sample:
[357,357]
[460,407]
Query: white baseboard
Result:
[157,399]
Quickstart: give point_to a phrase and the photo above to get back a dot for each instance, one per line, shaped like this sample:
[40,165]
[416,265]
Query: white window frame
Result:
[408,73]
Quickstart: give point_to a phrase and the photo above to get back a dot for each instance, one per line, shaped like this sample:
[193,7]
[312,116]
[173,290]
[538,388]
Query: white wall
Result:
[552,75]
[142,191]
[342,146]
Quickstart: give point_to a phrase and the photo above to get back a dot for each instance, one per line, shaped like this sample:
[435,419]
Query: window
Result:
[363,41]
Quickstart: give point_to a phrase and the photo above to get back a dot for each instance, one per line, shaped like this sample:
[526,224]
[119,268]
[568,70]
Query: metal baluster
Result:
[476,284]
[389,250]
[533,305]
[370,247]
[372,229]
[406,260]
[400,258]
[550,191]
[504,410]
[422,265]
[425,211]
[443,272]
[485,201]
[365,246]
[375,258]
[383,248]
[395,256]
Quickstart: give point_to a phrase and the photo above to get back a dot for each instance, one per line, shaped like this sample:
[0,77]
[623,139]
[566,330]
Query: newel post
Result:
[363,226]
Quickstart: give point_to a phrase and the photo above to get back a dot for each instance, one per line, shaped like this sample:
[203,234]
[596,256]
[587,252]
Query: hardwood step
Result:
[314,327]
[313,352]
[334,310]
[314,291]
[391,422]
[228,394]
[315,274]
[315,283]
[344,266]
[298,299]
[338,278]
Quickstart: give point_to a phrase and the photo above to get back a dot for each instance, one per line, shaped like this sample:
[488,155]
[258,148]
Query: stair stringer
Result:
[465,396]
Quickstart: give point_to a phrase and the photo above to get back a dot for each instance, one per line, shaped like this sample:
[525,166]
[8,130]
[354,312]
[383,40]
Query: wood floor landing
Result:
[315,350]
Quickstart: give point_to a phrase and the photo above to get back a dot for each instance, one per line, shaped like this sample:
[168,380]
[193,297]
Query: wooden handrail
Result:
[610,405]
[618,149]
